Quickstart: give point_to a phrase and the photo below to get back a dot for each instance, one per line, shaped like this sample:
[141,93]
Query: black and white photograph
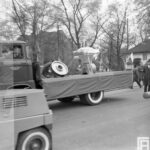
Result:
[75,75]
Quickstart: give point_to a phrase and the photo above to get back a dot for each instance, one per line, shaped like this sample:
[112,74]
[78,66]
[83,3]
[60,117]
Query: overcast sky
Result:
[3,5]
[6,4]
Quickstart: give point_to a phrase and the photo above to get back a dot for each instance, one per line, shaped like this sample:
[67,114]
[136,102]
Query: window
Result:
[144,56]
[9,51]
[137,62]
[17,52]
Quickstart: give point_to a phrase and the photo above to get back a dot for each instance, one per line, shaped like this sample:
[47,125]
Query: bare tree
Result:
[115,32]
[20,18]
[32,18]
[97,21]
[7,31]
[76,17]
[143,17]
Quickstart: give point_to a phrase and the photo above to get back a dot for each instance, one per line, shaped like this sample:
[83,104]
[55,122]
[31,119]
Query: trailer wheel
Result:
[66,99]
[36,139]
[92,98]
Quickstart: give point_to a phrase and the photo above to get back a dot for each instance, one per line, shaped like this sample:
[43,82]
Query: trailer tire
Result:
[35,139]
[66,99]
[92,98]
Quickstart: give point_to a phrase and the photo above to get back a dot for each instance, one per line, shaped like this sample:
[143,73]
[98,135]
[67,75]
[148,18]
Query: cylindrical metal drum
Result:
[146,95]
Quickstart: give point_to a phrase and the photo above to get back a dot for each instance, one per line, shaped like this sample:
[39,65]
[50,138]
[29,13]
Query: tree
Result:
[143,17]
[115,34]
[32,17]
[20,18]
[7,31]
[97,21]
[76,18]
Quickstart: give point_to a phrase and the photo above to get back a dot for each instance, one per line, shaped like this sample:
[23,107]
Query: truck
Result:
[18,71]
[25,120]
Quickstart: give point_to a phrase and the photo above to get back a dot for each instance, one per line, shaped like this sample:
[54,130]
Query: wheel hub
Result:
[95,95]
[36,145]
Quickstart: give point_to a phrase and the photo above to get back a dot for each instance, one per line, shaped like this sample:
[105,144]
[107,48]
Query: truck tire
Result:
[92,98]
[66,99]
[36,139]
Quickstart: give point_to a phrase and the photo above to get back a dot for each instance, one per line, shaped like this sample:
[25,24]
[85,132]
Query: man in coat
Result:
[146,79]
[136,76]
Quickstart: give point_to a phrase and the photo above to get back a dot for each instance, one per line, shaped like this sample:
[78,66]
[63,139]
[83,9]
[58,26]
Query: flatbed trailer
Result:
[21,73]
[90,88]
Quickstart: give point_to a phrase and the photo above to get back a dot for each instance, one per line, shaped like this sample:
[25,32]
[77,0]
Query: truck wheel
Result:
[92,98]
[66,99]
[36,139]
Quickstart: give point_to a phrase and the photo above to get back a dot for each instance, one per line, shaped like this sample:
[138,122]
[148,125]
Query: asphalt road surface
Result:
[114,124]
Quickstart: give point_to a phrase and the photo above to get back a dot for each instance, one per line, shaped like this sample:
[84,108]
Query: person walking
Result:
[146,75]
[136,77]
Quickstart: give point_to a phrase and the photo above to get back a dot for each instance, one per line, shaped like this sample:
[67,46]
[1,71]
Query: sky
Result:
[105,3]
[5,6]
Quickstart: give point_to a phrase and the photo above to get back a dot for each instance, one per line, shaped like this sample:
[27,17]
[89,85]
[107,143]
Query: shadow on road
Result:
[57,105]
[69,105]
[113,99]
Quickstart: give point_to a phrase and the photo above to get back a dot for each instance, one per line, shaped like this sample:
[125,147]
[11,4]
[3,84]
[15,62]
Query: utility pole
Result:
[127,34]
[58,42]
[110,50]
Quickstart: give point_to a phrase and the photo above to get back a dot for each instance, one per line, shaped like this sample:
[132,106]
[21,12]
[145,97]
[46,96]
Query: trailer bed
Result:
[81,84]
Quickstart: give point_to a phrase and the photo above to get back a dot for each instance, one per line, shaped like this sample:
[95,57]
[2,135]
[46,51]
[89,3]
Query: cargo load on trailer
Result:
[19,72]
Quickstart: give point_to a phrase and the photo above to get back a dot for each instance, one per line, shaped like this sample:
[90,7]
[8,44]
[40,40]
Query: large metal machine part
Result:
[86,55]
[146,95]
[25,120]
[55,69]
[15,65]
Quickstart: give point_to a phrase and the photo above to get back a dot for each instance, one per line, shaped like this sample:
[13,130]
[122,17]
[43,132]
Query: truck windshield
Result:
[9,51]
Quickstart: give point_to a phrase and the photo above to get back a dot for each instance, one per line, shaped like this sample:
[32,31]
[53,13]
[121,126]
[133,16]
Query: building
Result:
[139,53]
[53,46]
[56,45]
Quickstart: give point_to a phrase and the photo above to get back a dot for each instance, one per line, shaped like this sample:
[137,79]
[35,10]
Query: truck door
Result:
[16,66]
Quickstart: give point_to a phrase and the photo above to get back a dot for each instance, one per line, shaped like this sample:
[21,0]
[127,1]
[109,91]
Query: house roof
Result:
[143,47]
[12,42]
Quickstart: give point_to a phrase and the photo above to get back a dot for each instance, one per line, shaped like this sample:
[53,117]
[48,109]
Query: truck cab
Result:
[16,67]
[25,120]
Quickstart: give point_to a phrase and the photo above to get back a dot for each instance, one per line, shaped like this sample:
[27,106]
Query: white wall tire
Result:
[36,139]
[92,98]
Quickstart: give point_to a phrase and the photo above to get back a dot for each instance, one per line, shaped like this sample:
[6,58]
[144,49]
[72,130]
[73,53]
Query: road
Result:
[115,124]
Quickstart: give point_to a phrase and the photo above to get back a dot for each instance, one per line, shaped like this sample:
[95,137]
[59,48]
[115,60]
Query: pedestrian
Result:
[146,75]
[140,70]
[136,76]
